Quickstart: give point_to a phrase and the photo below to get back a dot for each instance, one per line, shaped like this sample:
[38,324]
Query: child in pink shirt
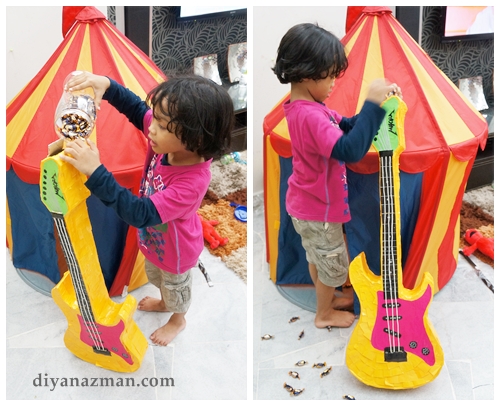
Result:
[310,58]
[188,121]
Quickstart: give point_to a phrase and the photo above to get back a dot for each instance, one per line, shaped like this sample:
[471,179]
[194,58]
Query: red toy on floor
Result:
[210,234]
[480,242]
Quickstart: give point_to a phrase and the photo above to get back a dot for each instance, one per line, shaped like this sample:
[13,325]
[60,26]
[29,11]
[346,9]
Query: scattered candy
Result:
[325,372]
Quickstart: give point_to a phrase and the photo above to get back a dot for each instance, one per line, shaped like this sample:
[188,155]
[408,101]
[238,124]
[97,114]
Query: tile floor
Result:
[207,361]
[462,315]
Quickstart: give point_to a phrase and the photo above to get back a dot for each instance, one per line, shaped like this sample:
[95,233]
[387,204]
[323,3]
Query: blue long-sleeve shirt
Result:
[359,133]
[137,211]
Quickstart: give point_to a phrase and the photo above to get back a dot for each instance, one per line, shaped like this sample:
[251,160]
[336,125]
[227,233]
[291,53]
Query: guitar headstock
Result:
[390,136]
[61,185]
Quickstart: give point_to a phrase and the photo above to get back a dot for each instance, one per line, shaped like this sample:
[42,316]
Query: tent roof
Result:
[439,118]
[92,44]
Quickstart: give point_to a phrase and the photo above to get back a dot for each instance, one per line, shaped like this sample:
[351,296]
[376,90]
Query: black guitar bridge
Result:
[101,351]
[394,356]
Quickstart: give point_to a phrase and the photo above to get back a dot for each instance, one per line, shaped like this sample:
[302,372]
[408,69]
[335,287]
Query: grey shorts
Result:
[325,248]
[175,289]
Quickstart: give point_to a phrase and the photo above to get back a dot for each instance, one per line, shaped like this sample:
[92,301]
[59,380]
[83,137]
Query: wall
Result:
[32,35]
[269,26]
[458,60]
[175,44]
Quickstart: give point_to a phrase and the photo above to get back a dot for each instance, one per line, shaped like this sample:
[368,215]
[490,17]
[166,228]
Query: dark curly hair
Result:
[308,51]
[200,113]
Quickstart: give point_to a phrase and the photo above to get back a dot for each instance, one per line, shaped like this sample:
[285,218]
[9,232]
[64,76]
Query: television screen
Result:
[466,23]
[198,12]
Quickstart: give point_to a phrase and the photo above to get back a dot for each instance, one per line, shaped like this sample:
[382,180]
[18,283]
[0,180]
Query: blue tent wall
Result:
[33,240]
[362,232]
[109,233]
[291,267]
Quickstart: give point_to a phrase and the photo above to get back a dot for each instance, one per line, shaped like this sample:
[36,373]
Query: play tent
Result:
[91,43]
[442,131]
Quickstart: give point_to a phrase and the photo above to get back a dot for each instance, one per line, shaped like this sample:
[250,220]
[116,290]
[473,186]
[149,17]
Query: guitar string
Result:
[389,257]
[387,288]
[393,256]
[394,246]
[79,287]
[85,310]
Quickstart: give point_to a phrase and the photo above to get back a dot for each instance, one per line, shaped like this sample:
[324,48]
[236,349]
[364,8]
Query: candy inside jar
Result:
[75,114]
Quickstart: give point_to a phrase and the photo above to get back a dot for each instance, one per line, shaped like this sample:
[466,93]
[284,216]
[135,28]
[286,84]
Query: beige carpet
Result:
[228,185]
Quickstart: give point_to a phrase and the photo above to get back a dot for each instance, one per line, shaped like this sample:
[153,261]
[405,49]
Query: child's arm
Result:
[127,103]
[86,79]
[138,212]
[364,126]
[377,93]
[347,123]
[353,146]
[121,98]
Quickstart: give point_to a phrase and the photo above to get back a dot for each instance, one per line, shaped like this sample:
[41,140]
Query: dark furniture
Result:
[482,171]
[239,134]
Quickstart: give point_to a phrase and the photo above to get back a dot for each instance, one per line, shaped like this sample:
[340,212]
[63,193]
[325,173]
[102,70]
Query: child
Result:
[189,123]
[310,58]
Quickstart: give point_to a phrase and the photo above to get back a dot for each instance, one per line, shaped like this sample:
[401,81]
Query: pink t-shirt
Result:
[317,188]
[177,192]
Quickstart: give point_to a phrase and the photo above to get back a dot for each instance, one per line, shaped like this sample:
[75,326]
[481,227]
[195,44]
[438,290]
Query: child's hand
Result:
[86,79]
[83,155]
[380,89]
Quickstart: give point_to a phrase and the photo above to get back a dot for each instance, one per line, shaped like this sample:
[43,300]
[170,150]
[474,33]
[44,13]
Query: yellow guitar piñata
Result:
[100,331]
[393,345]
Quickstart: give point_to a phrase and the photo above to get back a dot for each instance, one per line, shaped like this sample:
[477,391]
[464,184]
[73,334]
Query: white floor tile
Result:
[206,361]
[461,313]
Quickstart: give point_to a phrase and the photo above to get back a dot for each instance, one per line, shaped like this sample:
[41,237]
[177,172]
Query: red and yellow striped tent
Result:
[92,44]
[442,131]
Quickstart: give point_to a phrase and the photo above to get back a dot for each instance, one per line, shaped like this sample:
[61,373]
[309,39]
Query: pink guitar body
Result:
[109,338]
[407,325]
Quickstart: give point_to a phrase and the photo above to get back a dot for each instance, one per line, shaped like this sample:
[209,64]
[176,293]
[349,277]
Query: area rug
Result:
[477,212]
[226,193]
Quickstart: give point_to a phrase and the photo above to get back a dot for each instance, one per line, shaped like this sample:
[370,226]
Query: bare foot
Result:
[335,318]
[165,334]
[150,304]
[343,303]
[344,300]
